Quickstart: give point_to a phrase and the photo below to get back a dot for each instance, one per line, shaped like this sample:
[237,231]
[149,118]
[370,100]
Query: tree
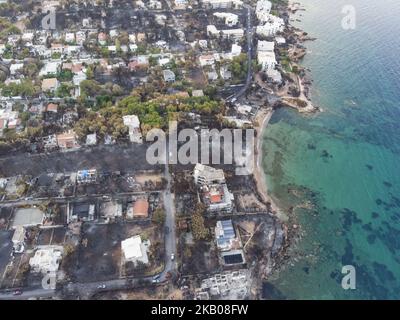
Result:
[158,216]
[200,232]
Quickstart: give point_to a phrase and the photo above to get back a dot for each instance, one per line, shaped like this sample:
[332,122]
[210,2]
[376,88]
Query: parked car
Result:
[17,292]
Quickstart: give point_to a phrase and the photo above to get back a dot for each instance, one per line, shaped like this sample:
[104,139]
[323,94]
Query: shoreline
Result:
[303,105]
[262,119]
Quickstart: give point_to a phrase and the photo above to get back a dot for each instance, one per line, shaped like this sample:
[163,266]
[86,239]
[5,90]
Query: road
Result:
[170,238]
[26,294]
[249,36]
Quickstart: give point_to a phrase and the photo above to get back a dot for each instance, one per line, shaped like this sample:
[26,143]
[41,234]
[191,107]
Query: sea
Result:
[337,173]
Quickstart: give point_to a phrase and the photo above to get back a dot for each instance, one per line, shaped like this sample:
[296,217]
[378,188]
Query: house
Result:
[204,175]
[274,75]
[50,84]
[280,40]
[265,46]
[46,259]
[212,75]
[140,37]
[269,24]
[263,9]
[133,124]
[49,68]
[81,212]
[217,197]
[52,107]
[102,38]
[208,59]
[86,176]
[57,48]
[15,67]
[135,250]
[91,139]
[197,93]
[155,5]
[139,209]
[222,4]
[180,4]
[70,37]
[230,19]
[267,60]
[225,73]
[266,54]
[18,239]
[239,123]
[67,140]
[225,236]
[80,37]
[169,76]
[28,37]
[229,33]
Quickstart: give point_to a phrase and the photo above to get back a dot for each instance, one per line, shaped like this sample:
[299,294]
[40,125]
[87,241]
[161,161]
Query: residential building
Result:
[46,259]
[222,4]
[50,68]
[135,250]
[91,139]
[133,124]
[229,33]
[67,140]
[50,84]
[52,107]
[169,76]
[139,209]
[86,176]
[225,235]
[181,4]
[230,19]
[81,212]
[217,197]
[204,175]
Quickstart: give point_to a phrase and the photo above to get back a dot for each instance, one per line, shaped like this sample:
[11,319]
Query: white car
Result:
[172,257]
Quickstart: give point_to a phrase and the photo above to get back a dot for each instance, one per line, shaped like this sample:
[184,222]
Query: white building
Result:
[15,67]
[230,19]
[50,67]
[269,24]
[207,175]
[181,4]
[266,55]
[229,33]
[133,124]
[135,250]
[46,259]
[70,37]
[169,76]
[222,4]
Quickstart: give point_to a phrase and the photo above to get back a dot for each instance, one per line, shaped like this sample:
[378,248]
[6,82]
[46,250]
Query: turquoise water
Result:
[344,161]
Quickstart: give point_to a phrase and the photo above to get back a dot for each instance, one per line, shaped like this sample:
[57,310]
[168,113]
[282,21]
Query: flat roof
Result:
[27,217]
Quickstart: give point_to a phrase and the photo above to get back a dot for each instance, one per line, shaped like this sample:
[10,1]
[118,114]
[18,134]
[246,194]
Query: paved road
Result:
[249,36]
[170,239]
[26,294]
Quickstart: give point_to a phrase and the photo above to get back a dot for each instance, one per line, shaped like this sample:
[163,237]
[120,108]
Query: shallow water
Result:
[345,160]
